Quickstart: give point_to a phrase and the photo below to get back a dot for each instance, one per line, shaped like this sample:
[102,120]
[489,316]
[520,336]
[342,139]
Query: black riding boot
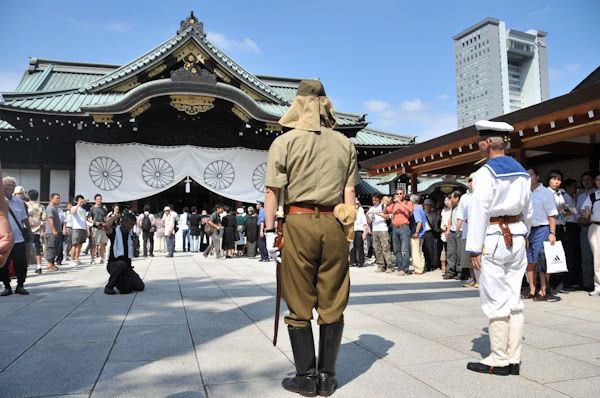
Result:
[303,347]
[330,338]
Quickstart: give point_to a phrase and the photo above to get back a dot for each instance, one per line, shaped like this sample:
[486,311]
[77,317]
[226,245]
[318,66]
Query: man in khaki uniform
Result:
[317,168]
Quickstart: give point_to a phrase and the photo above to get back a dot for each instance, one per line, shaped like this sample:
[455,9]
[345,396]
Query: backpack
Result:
[146,224]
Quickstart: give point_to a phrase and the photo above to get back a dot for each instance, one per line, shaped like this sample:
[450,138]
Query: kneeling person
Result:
[122,275]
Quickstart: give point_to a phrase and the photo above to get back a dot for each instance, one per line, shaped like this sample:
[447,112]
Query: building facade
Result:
[498,70]
[181,124]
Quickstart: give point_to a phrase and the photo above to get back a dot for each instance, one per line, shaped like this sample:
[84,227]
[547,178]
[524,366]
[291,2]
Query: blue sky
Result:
[391,59]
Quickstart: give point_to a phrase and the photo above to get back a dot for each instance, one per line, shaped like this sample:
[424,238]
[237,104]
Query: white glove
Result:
[274,252]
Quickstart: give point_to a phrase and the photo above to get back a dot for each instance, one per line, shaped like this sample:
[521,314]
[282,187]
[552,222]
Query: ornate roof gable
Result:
[189,49]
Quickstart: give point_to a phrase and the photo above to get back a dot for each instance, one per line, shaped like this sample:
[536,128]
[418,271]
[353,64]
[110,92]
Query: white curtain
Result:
[125,172]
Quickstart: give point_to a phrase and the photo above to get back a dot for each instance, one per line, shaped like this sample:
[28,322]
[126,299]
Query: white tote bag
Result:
[556,261]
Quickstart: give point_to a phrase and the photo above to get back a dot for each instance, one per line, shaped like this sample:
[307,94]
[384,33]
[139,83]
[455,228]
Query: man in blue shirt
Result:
[262,243]
[418,232]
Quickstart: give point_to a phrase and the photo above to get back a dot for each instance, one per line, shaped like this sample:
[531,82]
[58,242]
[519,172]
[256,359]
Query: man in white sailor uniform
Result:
[499,220]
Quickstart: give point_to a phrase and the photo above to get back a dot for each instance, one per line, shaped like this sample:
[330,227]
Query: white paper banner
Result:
[125,172]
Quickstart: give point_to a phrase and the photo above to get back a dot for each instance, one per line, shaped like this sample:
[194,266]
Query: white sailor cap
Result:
[487,128]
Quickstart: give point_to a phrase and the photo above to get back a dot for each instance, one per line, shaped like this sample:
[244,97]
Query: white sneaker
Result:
[92,261]
[73,263]
[596,292]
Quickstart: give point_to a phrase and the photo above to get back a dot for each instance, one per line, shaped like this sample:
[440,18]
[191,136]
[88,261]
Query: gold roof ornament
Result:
[192,105]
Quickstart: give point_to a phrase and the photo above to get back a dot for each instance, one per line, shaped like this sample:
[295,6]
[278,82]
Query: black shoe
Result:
[515,369]
[21,290]
[493,370]
[151,255]
[449,276]
[6,292]
[305,381]
[109,290]
[38,271]
[330,338]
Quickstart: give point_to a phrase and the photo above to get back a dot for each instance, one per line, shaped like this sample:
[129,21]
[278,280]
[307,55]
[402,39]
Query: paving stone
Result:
[581,328]
[56,368]
[579,388]
[545,366]
[584,352]
[73,330]
[15,343]
[152,342]
[454,380]
[161,378]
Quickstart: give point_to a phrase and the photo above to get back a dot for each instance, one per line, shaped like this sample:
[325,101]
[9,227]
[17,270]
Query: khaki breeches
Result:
[314,269]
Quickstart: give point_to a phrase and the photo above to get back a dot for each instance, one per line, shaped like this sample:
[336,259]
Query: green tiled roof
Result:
[368,186]
[55,81]
[69,102]
[6,126]
[371,137]
[155,55]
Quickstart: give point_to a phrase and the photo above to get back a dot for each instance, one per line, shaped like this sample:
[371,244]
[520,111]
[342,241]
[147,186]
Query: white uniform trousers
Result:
[594,238]
[500,278]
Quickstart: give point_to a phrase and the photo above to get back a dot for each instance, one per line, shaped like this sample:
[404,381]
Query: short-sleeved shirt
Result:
[400,213]
[315,167]
[37,214]
[261,216]
[559,199]
[544,206]
[419,217]
[463,213]
[596,209]
[52,212]
[79,219]
[378,223]
[18,209]
[98,214]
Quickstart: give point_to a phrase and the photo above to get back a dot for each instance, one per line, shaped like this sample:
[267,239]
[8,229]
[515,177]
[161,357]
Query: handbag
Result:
[556,261]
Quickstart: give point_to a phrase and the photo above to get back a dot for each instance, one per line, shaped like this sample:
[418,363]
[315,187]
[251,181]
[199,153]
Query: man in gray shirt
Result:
[53,232]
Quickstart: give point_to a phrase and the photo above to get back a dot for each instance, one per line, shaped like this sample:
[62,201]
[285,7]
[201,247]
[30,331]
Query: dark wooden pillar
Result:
[45,183]
[413,183]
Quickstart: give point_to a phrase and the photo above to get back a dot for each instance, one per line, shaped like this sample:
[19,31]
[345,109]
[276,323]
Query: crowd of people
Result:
[404,234]
[407,237]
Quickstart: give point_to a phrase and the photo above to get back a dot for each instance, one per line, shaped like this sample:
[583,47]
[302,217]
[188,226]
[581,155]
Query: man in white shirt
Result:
[591,212]
[499,216]
[182,223]
[381,237]
[357,252]
[543,228]
[587,259]
[169,219]
[80,227]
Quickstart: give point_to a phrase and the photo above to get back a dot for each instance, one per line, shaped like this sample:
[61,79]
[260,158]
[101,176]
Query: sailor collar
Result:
[505,166]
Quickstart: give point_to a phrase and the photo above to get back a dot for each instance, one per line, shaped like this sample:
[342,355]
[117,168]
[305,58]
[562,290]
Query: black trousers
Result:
[123,277]
[563,277]
[18,255]
[262,248]
[148,237]
[431,250]
[573,253]
[357,254]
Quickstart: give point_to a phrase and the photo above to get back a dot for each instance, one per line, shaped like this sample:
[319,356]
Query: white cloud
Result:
[412,106]
[443,97]
[119,27]
[412,118]
[9,80]
[224,43]
[376,105]
[573,67]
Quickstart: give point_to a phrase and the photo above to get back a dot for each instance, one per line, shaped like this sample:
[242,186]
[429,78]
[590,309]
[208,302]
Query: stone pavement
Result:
[203,328]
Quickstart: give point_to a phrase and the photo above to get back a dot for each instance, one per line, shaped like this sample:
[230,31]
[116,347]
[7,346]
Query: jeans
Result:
[401,238]
[262,248]
[195,243]
[170,239]
[148,237]
[185,239]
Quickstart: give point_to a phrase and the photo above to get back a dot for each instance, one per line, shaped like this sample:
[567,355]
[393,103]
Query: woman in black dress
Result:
[230,227]
[195,230]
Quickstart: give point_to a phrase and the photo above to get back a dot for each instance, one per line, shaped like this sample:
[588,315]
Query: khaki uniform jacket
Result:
[315,167]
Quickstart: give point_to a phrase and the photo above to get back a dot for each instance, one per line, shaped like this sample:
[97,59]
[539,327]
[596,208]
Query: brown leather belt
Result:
[503,222]
[307,208]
